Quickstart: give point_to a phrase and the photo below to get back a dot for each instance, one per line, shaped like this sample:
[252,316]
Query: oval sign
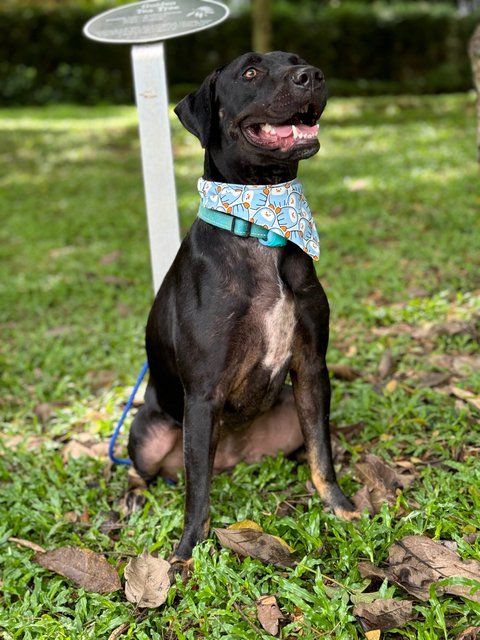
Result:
[154,20]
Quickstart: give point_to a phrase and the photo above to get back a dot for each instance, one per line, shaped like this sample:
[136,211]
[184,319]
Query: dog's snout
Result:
[307,77]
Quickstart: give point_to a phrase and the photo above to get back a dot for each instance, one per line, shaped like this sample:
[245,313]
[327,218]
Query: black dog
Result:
[233,316]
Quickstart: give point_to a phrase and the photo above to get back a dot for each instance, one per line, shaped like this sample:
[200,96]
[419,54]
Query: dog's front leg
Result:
[200,436]
[311,387]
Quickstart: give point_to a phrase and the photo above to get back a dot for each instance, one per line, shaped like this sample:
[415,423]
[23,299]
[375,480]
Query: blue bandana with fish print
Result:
[280,208]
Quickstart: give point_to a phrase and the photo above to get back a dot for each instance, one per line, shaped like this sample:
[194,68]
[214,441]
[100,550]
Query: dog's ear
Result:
[195,111]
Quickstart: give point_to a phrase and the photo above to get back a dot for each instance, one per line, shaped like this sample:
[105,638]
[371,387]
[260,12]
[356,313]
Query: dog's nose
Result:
[307,77]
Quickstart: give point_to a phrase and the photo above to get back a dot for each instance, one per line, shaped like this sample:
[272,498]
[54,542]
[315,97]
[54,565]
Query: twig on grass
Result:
[238,609]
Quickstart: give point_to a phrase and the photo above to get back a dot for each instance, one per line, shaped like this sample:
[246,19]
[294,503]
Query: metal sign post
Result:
[142,24]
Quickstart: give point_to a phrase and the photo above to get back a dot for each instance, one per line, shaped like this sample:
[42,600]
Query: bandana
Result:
[280,208]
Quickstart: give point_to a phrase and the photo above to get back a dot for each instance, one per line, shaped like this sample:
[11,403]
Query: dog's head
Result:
[256,113]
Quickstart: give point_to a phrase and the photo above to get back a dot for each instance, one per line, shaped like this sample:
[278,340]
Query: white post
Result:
[151,96]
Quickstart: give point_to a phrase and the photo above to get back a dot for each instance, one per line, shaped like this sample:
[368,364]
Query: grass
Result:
[396,196]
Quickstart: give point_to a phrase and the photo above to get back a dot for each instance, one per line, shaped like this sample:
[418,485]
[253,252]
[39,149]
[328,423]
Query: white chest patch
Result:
[278,328]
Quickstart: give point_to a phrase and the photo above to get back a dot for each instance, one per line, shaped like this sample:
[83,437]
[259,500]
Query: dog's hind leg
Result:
[155,441]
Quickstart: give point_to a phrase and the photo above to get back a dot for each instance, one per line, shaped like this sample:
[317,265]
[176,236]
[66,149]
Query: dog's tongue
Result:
[283,130]
[286,135]
[299,131]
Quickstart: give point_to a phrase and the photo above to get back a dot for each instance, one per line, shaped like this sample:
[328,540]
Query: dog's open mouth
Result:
[300,129]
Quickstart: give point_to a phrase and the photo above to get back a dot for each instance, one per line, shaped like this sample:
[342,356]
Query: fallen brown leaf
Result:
[269,614]
[465,365]
[84,567]
[375,634]
[372,572]
[470,633]
[110,258]
[28,544]
[258,545]
[391,386]
[119,631]
[417,562]
[382,481]
[246,524]
[146,581]
[362,500]
[43,411]
[432,330]
[75,449]
[29,442]
[383,614]
[386,365]
[433,379]
[467,396]
[470,537]
[102,379]
[344,372]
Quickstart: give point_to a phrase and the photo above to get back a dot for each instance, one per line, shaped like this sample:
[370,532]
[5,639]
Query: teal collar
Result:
[279,209]
[240,227]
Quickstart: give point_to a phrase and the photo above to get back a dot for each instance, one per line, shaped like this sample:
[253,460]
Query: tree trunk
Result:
[261,26]
[474,52]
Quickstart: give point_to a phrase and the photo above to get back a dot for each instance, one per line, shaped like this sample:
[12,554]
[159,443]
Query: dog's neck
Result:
[280,210]
[244,172]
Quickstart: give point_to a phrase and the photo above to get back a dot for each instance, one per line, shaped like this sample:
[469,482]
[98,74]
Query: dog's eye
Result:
[250,73]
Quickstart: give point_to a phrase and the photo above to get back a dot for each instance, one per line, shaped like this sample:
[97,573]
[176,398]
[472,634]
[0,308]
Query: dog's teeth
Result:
[267,128]
[295,132]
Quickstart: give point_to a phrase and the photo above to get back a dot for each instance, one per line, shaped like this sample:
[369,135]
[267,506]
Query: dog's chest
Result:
[277,327]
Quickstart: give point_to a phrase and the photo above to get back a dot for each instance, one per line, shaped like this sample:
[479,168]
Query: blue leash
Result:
[128,406]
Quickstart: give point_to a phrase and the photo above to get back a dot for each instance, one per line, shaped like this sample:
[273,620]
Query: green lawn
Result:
[395,192]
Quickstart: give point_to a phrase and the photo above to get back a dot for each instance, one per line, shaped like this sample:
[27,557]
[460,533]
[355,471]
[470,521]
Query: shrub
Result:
[362,48]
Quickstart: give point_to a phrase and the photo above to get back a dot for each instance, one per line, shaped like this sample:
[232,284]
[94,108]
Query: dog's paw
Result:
[180,567]
[341,505]
[349,513]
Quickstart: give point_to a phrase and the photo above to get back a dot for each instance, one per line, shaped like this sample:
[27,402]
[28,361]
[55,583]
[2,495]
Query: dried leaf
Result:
[135,480]
[84,567]
[417,562]
[258,545]
[28,544]
[470,537]
[269,614]
[383,614]
[119,631]
[29,443]
[386,366]
[43,411]
[110,258]
[470,633]
[147,582]
[102,379]
[362,500]
[434,379]
[465,365]
[370,571]
[343,372]
[75,449]
[375,634]
[382,481]
[246,524]
[467,396]
[391,386]
[359,184]
[62,330]
[432,330]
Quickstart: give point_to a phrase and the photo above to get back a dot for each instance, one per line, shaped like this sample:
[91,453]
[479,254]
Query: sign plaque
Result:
[145,25]
[154,20]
